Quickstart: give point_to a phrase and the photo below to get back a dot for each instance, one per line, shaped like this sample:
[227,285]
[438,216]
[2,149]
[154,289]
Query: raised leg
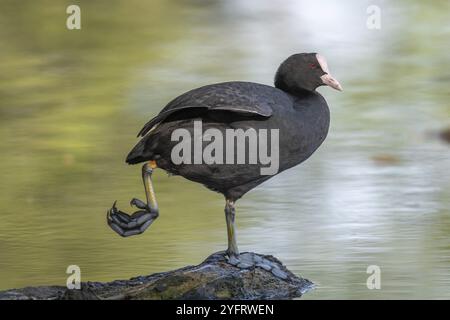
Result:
[232,251]
[128,225]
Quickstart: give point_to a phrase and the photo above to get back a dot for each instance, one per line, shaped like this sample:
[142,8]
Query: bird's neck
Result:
[298,92]
[293,90]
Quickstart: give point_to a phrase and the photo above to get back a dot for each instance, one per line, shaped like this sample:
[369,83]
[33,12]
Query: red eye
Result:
[313,65]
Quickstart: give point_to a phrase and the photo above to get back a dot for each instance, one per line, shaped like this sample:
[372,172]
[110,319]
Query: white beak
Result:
[328,80]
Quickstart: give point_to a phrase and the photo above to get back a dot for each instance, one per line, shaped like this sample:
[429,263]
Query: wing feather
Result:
[240,97]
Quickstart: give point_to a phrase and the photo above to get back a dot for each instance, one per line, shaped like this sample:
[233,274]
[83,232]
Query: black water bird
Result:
[293,106]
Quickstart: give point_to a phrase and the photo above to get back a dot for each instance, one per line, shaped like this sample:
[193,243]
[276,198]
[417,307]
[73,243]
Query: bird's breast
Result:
[302,131]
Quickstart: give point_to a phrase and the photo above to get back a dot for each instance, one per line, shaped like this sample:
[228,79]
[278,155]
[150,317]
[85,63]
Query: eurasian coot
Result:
[275,128]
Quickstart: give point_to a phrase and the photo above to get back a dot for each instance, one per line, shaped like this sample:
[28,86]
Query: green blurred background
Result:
[71,103]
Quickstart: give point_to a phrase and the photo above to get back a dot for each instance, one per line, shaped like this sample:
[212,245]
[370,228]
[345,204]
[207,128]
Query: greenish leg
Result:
[232,251]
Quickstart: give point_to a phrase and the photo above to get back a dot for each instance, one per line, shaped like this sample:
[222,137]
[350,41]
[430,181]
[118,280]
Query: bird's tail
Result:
[138,154]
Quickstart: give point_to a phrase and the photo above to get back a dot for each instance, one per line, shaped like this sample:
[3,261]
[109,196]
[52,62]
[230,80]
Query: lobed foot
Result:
[233,259]
[248,260]
[127,225]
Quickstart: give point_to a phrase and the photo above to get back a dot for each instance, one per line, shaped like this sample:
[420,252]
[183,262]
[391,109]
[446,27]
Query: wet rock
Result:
[264,277]
[33,293]
[444,134]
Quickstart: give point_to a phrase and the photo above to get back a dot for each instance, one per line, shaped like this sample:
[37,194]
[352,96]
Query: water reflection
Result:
[71,103]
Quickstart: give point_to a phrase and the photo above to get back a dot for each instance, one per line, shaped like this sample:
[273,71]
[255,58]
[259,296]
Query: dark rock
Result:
[444,134]
[264,277]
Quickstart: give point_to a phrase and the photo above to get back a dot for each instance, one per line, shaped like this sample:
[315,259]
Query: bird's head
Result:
[304,71]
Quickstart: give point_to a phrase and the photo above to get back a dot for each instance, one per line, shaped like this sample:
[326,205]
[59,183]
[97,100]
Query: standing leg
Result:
[128,225]
[232,251]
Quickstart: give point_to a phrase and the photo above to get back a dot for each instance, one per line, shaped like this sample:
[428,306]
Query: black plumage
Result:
[293,107]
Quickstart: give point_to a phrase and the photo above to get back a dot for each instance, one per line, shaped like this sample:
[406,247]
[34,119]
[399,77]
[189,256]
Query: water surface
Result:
[376,192]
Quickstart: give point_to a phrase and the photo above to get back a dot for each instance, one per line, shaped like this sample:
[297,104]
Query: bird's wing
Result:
[239,97]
